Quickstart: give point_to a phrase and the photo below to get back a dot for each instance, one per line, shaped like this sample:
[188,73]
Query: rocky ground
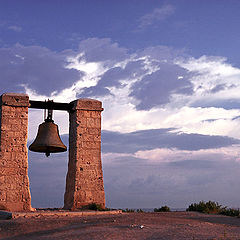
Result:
[173,225]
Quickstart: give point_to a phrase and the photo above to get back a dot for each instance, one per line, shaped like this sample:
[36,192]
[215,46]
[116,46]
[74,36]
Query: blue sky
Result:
[168,75]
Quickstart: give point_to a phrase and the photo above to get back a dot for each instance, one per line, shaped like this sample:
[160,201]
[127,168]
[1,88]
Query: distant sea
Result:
[152,209]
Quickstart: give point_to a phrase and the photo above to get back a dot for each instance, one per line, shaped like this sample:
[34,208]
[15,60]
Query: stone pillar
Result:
[14,182]
[84,183]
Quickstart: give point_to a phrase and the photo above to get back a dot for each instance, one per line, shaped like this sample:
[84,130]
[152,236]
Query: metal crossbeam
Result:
[50,105]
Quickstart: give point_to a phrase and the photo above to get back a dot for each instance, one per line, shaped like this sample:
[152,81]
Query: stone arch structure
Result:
[84,181]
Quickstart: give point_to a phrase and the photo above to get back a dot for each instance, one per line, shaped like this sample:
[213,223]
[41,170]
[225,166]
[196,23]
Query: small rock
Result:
[136,226]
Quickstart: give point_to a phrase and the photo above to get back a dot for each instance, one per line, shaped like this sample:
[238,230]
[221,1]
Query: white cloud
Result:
[159,175]
[91,70]
[212,78]
[159,155]
[209,121]
[158,14]
[108,157]
[15,28]
[212,72]
[120,114]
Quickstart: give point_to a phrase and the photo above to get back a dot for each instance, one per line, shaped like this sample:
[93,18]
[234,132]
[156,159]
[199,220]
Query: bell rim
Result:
[47,148]
[50,145]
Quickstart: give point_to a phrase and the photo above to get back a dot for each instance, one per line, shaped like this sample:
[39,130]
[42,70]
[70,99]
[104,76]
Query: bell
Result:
[48,139]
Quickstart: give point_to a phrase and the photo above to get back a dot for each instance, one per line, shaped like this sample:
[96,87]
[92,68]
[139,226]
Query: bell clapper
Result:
[49,114]
[47,153]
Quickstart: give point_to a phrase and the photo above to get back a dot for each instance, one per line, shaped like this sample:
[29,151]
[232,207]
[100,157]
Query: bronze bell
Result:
[48,139]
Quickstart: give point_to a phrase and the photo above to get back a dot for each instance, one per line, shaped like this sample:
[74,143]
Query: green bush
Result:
[230,212]
[213,207]
[205,207]
[96,207]
[162,209]
[128,210]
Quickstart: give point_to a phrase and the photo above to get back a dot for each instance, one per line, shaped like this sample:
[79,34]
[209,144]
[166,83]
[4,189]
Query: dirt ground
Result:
[173,225]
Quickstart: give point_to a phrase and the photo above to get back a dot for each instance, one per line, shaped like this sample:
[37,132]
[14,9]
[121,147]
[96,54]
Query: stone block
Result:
[14,196]
[14,99]
[13,152]
[97,138]
[90,123]
[2,180]
[6,171]
[3,196]
[87,104]
[85,149]
[16,206]
[89,196]
[82,122]
[97,123]
[91,145]
[95,114]
[87,138]
[87,114]
[94,131]
[6,127]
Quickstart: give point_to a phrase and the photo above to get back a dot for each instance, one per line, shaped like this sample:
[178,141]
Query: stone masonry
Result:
[84,184]
[14,182]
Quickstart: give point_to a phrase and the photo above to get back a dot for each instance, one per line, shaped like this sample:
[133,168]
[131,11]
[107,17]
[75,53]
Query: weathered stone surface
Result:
[69,214]
[87,104]
[84,183]
[14,183]
[15,99]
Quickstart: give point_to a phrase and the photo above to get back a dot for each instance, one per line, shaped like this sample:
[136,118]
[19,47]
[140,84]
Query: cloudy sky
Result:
[168,74]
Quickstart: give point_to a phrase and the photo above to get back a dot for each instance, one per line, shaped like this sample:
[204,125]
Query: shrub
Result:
[96,207]
[205,207]
[128,210]
[162,209]
[230,212]
[140,210]
[213,207]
